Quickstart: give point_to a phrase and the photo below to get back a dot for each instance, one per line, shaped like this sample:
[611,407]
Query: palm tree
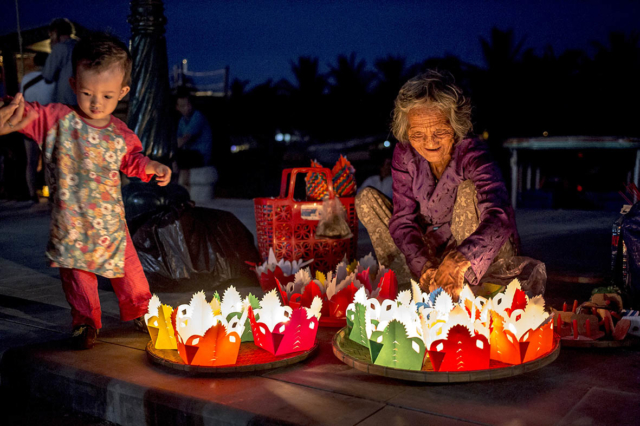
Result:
[310,82]
[501,51]
[390,75]
[350,77]
[614,85]
[499,89]
[351,112]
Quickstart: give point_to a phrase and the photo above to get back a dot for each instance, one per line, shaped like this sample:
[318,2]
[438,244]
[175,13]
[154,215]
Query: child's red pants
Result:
[132,290]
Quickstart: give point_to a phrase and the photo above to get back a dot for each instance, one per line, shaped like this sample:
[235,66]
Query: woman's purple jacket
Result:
[422,208]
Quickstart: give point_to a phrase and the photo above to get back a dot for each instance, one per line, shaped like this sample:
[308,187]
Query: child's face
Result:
[98,93]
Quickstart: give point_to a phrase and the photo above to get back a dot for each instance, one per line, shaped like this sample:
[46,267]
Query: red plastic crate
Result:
[289,226]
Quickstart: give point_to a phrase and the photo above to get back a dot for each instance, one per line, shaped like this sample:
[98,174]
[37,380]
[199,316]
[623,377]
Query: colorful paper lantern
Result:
[158,320]
[281,270]
[204,338]
[391,329]
[281,329]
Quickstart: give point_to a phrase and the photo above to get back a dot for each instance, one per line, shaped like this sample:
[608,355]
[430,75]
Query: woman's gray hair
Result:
[436,90]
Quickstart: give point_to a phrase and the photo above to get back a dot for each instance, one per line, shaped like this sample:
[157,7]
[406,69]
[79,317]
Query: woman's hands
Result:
[162,172]
[449,275]
[12,117]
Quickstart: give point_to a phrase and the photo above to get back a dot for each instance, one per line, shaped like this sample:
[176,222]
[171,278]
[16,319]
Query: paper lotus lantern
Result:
[391,330]
[204,338]
[233,306]
[521,329]
[274,270]
[158,320]
[450,332]
[281,329]
[461,349]
[337,289]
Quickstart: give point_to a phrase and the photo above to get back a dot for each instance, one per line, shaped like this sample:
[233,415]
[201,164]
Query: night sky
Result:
[259,39]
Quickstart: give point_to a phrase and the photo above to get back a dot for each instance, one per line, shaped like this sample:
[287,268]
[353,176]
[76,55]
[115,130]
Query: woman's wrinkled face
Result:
[430,134]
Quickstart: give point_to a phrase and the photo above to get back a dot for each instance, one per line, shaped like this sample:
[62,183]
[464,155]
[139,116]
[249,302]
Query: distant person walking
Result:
[58,68]
[194,135]
[35,89]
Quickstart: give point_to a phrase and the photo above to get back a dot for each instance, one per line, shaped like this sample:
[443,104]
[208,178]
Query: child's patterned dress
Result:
[83,164]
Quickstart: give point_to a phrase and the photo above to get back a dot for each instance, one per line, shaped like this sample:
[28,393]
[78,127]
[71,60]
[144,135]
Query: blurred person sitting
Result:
[194,134]
[382,181]
[58,68]
[35,89]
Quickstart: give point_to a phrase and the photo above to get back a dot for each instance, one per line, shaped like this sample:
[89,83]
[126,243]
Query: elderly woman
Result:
[451,216]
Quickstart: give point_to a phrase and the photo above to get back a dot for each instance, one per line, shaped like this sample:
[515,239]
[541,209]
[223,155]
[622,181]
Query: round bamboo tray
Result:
[357,356]
[250,358]
[570,342]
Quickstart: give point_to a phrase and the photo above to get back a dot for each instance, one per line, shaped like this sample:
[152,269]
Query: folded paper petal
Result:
[268,279]
[339,302]
[388,286]
[505,346]
[365,278]
[460,351]
[540,341]
[310,291]
[161,330]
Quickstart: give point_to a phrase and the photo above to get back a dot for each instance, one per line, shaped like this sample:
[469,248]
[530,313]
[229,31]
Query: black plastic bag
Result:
[142,198]
[630,232]
[183,248]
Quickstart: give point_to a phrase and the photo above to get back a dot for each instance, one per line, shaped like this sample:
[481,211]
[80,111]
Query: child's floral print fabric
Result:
[88,224]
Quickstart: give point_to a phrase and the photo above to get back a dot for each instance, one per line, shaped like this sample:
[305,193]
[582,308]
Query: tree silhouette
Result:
[306,94]
[501,52]
[497,87]
[391,74]
[350,77]
[614,82]
[349,95]
[237,88]
[311,83]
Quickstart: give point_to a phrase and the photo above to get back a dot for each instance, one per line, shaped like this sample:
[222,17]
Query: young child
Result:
[85,148]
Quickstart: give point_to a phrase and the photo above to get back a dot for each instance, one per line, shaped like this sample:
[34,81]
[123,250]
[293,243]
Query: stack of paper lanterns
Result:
[337,288]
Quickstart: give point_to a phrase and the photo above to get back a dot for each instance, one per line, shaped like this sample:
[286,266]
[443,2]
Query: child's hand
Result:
[162,172]
[12,117]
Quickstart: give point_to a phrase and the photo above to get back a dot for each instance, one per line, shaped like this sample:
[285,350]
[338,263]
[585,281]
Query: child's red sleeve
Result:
[133,162]
[48,115]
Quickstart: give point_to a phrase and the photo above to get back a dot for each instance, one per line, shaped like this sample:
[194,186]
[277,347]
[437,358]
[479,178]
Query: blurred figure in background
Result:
[58,68]
[382,181]
[35,89]
[194,134]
